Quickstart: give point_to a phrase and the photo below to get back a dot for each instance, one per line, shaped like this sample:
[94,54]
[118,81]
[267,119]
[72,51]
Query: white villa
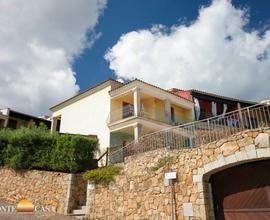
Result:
[118,113]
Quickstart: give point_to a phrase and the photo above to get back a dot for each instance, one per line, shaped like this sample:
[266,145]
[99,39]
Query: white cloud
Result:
[120,80]
[39,41]
[214,53]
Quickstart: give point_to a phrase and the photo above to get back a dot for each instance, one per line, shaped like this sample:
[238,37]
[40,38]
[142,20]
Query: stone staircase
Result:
[80,212]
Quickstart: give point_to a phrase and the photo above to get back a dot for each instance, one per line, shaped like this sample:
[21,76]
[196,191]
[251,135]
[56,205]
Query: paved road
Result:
[21,216]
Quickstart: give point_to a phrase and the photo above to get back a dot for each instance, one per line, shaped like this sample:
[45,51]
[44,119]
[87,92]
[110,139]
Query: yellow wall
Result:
[152,108]
[182,115]
[117,108]
[116,105]
[160,111]
[148,107]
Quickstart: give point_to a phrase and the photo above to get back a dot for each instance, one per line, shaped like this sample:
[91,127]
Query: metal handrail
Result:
[196,133]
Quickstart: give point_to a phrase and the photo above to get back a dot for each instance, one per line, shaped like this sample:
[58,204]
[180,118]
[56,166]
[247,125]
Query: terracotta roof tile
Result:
[139,80]
[217,96]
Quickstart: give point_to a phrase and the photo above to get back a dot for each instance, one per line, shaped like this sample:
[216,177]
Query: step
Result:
[79,216]
[78,212]
[82,207]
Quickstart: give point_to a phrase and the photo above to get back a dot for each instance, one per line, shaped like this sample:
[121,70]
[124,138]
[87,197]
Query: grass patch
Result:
[103,175]
[162,162]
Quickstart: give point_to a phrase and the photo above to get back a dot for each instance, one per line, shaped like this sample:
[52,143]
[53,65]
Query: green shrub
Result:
[4,140]
[162,162]
[72,153]
[102,175]
[37,148]
[26,146]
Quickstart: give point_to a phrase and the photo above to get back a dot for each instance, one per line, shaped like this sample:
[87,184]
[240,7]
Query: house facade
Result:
[12,119]
[120,113]
[139,108]
[209,104]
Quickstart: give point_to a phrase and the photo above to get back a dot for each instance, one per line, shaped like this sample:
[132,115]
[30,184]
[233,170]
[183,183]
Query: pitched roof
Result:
[81,94]
[139,80]
[11,111]
[217,96]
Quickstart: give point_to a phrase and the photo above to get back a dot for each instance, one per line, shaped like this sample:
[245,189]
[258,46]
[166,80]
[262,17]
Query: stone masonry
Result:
[140,193]
[63,191]
[77,192]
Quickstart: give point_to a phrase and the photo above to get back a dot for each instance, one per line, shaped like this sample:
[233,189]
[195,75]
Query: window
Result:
[12,124]
[128,110]
[58,125]
[172,114]
[2,122]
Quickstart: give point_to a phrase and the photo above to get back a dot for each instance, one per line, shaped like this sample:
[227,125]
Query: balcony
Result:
[120,114]
[128,112]
[140,109]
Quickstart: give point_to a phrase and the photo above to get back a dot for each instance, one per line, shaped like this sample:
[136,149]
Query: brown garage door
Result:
[242,192]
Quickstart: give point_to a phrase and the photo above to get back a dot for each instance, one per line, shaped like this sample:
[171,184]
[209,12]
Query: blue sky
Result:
[50,50]
[124,16]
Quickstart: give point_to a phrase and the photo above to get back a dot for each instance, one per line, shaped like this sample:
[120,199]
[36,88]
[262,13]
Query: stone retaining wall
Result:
[61,190]
[141,193]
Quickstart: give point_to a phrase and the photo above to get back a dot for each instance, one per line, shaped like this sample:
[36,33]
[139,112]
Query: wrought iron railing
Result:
[197,133]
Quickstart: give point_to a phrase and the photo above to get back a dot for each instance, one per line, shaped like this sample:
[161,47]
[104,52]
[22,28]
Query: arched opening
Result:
[242,192]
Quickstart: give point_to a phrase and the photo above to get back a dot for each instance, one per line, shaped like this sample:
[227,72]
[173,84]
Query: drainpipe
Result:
[169,179]
[173,212]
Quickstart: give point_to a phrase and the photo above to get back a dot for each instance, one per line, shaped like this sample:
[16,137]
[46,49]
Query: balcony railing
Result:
[128,112]
[197,133]
[120,114]
[157,116]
